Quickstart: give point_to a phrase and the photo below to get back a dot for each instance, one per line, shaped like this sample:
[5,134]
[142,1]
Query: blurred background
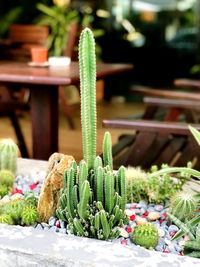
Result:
[161,38]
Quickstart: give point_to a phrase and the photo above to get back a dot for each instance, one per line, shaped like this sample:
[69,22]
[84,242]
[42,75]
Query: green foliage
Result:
[145,235]
[3,190]
[29,215]
[58,19]
[183,205]
[30,197]
[6,218]
[87,65]
[153,188]
[192,230]
[6,178]
[195,133]
[22,211]
[8,155]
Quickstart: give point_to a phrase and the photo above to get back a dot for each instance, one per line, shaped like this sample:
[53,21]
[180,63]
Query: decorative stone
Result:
[4,200]
[129,213]
[161,232]
[16,196]
[123,232]
[153,215]
[140,220]
[50,192]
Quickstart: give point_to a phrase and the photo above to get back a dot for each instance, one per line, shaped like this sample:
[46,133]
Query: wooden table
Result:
[44,83]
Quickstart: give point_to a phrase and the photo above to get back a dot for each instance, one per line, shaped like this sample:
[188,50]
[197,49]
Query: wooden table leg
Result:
[44,115]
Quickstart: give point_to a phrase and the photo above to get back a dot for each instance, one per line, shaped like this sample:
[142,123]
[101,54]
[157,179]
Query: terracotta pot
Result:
[39,54]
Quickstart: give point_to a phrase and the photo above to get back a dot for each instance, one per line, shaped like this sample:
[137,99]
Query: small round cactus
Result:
[29,215]
[3,190]
[183,205]
[6,218]
[6,178]
[8,155]
[145,235]
[14,208]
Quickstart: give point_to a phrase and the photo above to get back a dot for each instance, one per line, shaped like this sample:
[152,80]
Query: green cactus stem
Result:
[107,151]
[8,155]
[29,215]
[99,184]
[6,218]
[3,190]
[109,192]
[105,224]
[183,205]
[87,65]
[6,178]
[70,184]
[145,235]
[82,206]
[122,186]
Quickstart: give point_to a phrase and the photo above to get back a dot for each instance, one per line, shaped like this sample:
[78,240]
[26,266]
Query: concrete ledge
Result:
[26,246]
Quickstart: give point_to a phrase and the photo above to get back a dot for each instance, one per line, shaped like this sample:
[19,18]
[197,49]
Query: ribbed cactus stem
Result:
[82,175]
[98,163]
[122,186]
[107,151]
[70,184]
[105,225]
[99,184]
[109,192]
[8,155]
[85,195]
[87,65]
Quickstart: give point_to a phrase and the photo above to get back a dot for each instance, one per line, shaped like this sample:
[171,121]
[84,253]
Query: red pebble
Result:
[146,213]
[132,217]
[124,242]
[172,234]
[15,191]
[183,236]
[158,203]
[128,230]
[165,214]
[133,207]
[32,186]
[162,221]
[143,216]
[180,254]
[57,223]
[165,251]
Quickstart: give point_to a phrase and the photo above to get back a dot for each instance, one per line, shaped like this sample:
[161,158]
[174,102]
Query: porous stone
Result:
[140,220]
[154,215]
[161,232]
[50,192]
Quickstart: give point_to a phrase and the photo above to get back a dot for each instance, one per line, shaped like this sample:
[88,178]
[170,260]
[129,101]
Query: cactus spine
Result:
[87,65]
[145,235]
[8,155]
[183,206]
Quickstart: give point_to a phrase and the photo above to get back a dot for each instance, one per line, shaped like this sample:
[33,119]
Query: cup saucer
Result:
[33,64]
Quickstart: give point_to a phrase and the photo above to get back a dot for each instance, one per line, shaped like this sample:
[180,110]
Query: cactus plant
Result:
[14,208]
[6,218]
[92,205]
[87,65]
[6,178]
[3,190]
[183,205]
[29,215]
[145,235]
[8,155]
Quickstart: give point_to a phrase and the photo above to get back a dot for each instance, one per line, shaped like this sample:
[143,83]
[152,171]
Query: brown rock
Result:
[53,182]
[154,215]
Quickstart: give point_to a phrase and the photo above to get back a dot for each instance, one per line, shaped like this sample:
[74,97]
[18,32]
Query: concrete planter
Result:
[26,246]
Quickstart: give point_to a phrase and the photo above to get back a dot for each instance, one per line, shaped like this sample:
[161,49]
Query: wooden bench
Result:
[154,143]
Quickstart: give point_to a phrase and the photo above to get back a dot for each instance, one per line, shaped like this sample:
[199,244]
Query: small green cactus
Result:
[29,215]
[6,218]
[6,178]
[145,235]
[8,155]
[14,208]
[3,190]
[183,206]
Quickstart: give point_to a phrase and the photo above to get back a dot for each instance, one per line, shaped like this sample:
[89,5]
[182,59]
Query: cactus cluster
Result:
[8,155]
[6,182]
[192,230]
[19,211]
[94,205]
[183,205]
[145,235]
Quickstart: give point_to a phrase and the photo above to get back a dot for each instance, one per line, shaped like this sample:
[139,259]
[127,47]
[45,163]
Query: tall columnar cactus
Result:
[8,155]
[92,201]
[87,65]
[183,205]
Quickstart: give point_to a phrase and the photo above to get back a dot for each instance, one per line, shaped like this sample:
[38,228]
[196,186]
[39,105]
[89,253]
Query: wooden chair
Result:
[154,143]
